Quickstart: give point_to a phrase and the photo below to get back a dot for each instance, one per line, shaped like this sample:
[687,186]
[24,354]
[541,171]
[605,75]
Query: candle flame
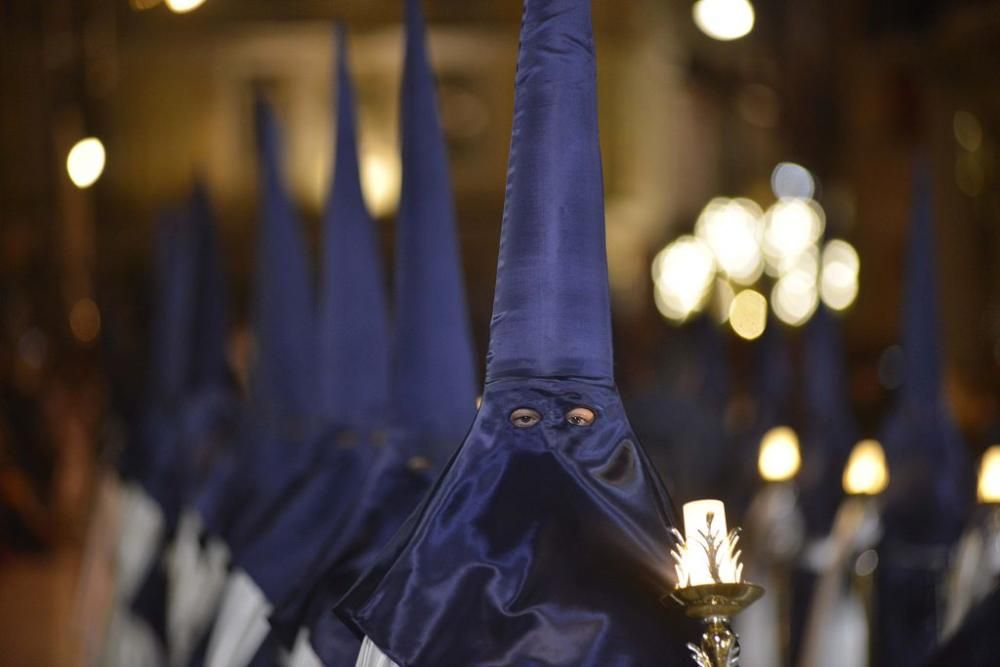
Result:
[866,472]
[708,554]
[989,476]
[779,457]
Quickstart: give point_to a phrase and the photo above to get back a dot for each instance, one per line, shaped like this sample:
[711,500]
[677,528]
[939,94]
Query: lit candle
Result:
[989,476]
[866,472]
[708,554]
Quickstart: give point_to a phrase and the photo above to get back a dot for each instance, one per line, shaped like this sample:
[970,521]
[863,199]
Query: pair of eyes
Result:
[527,417]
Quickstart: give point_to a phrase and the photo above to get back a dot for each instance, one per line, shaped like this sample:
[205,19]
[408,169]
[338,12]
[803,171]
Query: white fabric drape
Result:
[141,531]
[302,654]
[196,578]
[241,625]
[371,656]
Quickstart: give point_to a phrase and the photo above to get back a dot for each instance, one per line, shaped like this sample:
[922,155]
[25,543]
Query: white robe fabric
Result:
[129,640]
[196,579]
[241,625]
[141,532]
[302,654]
[371,656]
[836,633]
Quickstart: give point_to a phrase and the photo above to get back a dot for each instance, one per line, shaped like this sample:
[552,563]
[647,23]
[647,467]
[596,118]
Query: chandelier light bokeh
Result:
[724,20]
[85,162]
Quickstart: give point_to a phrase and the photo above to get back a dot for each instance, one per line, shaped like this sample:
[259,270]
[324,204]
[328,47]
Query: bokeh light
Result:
[733,229]
[792,226]
[184,6]
[794,298]
[85,162]
[968,131]
[85,320]
[779,458]
[380,181]
[748,314]
[724,20]
[722,300]
[682,277]
[792,180]
[839,276]
[866,472]
[989,476]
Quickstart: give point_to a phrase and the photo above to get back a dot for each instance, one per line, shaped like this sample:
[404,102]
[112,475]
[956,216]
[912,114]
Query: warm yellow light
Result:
[989,476]
[794,298]
[707,553]
[866,472]
[792,227]
[723,301]
[839,278]
[779,458]
[85,162]
[85,320]
[682,277]
[748,314]
[724,20]
[968,131]
[733,228]
[380,181]
[184,6]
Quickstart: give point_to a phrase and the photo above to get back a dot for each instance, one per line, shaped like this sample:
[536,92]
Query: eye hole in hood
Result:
[524,417]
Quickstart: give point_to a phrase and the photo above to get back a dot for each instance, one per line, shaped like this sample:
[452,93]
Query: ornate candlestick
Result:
[709,581]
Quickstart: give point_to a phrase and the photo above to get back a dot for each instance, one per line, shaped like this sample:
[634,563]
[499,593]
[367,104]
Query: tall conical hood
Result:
[353,336]
[210,367]
[551,314]
[174,301]
[829,430]
[921,344]
[433,373]
[825,380]
[284,376]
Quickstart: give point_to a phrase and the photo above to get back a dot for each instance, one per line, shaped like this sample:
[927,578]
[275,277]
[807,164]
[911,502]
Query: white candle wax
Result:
[707,518]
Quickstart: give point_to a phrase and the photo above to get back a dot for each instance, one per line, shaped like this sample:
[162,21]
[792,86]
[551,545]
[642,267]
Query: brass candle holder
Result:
[714,605]
[710,586]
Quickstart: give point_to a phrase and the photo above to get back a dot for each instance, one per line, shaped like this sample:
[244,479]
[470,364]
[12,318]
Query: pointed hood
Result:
[174,304]
[433,373]
[283,382]
[926,454]
[920,337]
[211,323]
[353,332]
[773,377]
[551,313]
[825,381]
[829,430]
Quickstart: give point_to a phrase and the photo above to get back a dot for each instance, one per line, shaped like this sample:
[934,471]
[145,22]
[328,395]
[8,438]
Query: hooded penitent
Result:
[282,410]
[151,500]
[358,489]
[207,421]
[433,384]
[929,488]
[546,538]
[828,433]
[282,417]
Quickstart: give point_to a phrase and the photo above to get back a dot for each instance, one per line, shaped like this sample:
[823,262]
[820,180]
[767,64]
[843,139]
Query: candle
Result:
[708,553]
[779,458]
[866,472]
[989,476]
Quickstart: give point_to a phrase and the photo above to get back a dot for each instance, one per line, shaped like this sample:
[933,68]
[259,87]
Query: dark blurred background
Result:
[856,91]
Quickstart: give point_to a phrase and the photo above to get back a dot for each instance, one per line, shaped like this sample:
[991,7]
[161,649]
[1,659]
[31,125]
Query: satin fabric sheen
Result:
[551,309]
[540,546]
